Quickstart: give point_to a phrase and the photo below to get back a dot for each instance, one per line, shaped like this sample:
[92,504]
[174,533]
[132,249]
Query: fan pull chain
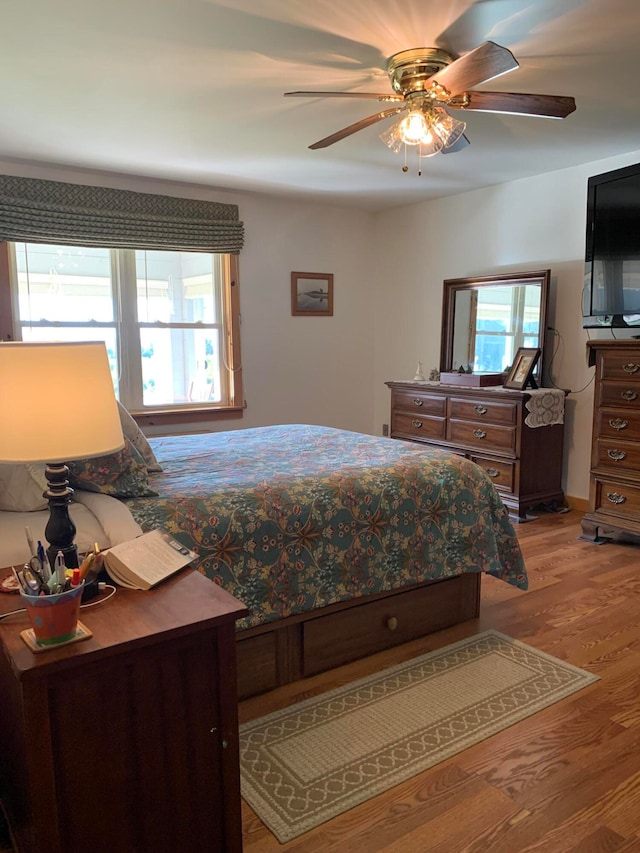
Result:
[405,168]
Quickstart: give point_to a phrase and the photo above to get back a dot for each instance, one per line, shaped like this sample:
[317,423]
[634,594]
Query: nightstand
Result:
[127,741]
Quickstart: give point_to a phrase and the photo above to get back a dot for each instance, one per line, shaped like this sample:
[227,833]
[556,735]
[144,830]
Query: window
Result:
[170,319]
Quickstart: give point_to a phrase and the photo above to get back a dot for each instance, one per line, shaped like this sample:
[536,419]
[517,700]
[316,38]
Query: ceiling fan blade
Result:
[354,128]
[373,95]
[548,106]
[487,61]
[458,145]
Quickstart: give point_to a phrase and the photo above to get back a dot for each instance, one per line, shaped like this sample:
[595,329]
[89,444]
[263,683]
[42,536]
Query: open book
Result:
[147,560]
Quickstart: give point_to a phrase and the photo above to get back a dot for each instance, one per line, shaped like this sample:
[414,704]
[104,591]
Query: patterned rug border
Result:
[273,787]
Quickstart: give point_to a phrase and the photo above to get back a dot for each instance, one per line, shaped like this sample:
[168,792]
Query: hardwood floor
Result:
[566,780]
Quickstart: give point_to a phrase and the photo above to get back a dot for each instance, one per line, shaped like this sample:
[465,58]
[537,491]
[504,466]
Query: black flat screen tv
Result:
[611,294]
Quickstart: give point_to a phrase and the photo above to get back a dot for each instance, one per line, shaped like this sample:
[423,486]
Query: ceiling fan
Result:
[426,81]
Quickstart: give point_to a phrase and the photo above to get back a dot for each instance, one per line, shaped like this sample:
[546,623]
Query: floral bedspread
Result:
[290,518]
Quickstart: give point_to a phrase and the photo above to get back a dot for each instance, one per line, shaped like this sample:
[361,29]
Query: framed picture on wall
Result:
[523,366]
[312,294]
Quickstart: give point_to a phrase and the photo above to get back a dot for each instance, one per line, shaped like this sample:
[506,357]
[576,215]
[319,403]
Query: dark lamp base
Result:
[60,530]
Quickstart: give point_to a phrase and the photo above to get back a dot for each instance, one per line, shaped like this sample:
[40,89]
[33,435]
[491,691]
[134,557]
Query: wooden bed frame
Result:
[300,646]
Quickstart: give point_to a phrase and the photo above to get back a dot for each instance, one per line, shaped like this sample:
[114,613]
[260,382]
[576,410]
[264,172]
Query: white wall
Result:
[536,223]
[295,369]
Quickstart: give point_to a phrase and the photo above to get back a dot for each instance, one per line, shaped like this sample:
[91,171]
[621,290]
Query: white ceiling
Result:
[192,90]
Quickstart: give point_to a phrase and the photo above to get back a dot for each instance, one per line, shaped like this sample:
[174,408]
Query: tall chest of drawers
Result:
[489,427]
[614,493]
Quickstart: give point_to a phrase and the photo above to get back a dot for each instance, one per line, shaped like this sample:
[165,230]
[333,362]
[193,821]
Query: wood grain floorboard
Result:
[566,780]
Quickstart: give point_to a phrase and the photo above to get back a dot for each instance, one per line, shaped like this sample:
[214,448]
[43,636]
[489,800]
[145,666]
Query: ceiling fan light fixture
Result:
[420,128]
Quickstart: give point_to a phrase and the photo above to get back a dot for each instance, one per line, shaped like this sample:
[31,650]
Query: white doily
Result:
[546,407]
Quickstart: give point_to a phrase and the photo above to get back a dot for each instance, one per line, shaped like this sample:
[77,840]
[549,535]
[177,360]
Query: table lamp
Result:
[57,403]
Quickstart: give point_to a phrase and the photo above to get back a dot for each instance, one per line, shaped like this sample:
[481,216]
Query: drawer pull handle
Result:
[417,402]
[628,395]
[617,455]
[630,367]
[481,410]
[417,424]
[493,472]
[392,623]
[618,424]
[479,433]
[615,498]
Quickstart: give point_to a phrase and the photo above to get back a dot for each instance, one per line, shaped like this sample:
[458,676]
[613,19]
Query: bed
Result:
[340,544]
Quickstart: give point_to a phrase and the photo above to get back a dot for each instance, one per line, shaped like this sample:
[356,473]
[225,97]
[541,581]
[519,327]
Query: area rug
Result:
[314,760]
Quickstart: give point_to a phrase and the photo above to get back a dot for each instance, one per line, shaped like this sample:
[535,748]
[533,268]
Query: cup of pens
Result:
[51,599]
[54,617]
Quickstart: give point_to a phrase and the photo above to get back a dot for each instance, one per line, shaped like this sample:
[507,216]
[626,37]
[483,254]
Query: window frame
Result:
[170,415]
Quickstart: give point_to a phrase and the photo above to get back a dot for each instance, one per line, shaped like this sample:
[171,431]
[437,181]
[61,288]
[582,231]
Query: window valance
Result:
[39,211]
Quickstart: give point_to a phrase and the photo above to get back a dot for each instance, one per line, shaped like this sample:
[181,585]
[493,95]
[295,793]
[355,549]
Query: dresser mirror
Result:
[486,319]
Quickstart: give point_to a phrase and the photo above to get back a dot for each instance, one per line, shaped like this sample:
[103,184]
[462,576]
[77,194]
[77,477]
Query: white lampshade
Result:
[57,402]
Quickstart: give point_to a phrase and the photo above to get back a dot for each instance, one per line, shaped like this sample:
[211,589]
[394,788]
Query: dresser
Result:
[126,742]
[614,493]
[490,427]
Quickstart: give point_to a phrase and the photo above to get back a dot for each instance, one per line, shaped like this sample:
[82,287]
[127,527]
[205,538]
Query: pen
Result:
[44,562]
[87,563]
[32,547]
[61,569]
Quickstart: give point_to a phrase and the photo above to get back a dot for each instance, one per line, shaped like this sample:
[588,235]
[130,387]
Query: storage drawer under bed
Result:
[367,628]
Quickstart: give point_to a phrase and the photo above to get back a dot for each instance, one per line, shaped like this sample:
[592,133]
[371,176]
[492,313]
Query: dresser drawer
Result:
[419,401]
[624,426]
[621,394]
[616,498]
[620,365]
[620,456]
[482,436]
[417,426]
[484,410]
[501,473]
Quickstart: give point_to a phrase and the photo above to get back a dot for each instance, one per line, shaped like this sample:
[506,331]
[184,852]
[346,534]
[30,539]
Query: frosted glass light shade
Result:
[57,402]
[414,128]
[447,127]
[392,137]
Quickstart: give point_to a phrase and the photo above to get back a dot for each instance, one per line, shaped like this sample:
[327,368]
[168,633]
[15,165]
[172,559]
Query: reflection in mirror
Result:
[486,320]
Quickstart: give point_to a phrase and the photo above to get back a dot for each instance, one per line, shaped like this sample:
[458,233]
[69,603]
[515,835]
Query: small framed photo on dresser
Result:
[522,369]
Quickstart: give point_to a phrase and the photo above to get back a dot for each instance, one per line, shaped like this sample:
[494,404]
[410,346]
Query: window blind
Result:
[40,211]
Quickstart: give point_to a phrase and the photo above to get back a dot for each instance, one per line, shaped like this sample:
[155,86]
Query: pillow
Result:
[121,475]
[21,488]
[132,431]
